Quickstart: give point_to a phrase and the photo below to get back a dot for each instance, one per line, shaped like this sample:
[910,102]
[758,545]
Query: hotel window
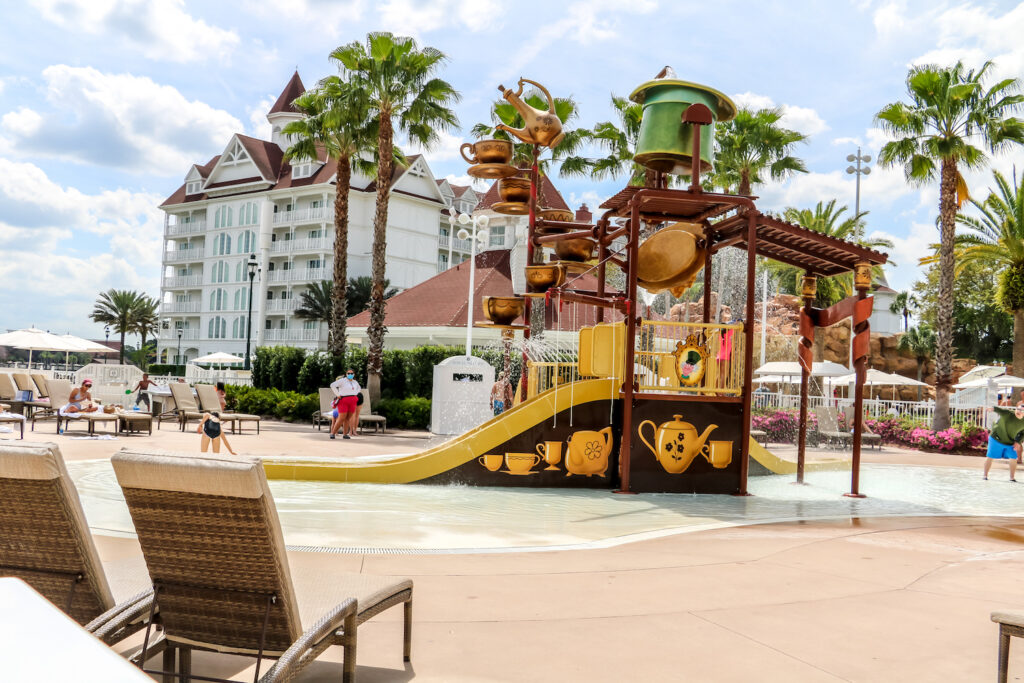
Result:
[310,324]
[316,203]
[303,170]
[218,300]
[249,214]
[222,244]
[222,217]
[238,328]
[267,324]
[217,328]
[315,234]
[241,299]
[314,263]
[246,242]
[220,272]
[193,187]
[283,325]
[497,235]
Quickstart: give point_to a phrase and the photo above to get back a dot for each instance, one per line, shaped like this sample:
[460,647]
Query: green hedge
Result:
[166,369]
[405,373]
[291,406]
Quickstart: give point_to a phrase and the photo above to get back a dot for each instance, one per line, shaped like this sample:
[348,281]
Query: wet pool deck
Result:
[856,599]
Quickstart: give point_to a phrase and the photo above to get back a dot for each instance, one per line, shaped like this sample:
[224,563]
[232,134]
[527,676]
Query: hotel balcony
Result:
[179,307]
[315,215]
[193,227]
[300,334]
[298,275]
[314,244]
[183,255]
[457,245]
[186,335]
[183,282]
[281,305]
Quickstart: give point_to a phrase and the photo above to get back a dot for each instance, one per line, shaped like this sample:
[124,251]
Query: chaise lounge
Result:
[209,402]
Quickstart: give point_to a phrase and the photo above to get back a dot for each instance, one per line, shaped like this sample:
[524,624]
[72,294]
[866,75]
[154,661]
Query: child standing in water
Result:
[211,429]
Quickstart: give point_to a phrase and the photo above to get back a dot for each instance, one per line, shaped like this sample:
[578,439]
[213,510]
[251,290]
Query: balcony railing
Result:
[301,245]
[713,363]
[192,227]
[311,215]
[180,255]
[186,335]
[301,334]
[183,281]
[457,244]
[180,307]
[282,305]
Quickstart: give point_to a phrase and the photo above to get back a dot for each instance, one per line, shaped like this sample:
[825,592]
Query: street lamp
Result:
[451,234]
[252,266]
[106,342]
[858,170]
[177,358]
[478,233]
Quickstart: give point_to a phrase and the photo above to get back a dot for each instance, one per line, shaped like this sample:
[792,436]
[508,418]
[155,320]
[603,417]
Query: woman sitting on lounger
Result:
[212,430]
[80,400]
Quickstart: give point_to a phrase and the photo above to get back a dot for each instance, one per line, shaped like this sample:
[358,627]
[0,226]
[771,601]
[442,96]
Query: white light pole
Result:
[479,233]
[858,230]
[451,234]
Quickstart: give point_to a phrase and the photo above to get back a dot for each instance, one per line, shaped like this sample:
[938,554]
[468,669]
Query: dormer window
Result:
[302,170]
[194,187]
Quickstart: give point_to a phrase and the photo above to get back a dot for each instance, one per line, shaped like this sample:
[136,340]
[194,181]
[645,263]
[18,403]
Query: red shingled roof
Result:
[552,197]
[288,95]
[266,155]
[441,300]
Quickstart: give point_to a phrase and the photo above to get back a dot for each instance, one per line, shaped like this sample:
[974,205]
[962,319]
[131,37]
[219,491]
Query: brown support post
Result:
[808,291]
[748,350]
[530,231]
[707,279]
[862,312]
[631,318]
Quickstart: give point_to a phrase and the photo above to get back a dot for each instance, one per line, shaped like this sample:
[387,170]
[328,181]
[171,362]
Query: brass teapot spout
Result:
[542,127]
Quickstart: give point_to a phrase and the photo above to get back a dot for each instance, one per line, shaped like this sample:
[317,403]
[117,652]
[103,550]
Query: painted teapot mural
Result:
[588,452]
[676,443]
[542,127]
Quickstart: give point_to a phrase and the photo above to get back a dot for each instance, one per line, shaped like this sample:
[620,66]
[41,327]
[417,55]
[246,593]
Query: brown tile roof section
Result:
[179,196]
[441,300]
[288,95]
[266,155]
[552,197]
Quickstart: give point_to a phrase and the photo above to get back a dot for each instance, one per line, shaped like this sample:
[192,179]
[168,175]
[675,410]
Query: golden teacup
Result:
[552,452]
[488,152]
[502,310]
[491,461]
[514,189]
[721,454]
[521,463]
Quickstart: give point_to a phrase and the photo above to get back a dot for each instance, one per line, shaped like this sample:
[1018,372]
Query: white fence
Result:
[918,410]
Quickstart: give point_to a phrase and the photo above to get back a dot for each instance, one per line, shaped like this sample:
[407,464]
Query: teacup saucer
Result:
[519,474]
[492,170]
[511,208]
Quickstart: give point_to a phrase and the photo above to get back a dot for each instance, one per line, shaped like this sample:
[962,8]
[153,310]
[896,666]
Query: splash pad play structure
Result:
[648,405]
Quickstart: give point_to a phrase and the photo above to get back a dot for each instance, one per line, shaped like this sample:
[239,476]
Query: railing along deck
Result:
[689,358]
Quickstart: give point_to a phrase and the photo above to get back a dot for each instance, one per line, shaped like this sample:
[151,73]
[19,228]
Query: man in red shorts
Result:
[346,405]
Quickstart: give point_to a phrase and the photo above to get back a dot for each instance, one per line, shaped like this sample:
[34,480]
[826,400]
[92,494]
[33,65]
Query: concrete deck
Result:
[904,599]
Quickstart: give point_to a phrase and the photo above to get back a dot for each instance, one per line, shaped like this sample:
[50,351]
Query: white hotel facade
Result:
[249,201]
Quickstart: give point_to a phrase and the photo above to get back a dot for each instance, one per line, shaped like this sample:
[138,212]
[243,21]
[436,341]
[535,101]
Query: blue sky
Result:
[105,103]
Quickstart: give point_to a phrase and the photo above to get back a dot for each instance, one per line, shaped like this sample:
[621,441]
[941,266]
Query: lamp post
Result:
[451,235]
[251,265]
[858,171]
[177,358]
[478,233]
[106,342]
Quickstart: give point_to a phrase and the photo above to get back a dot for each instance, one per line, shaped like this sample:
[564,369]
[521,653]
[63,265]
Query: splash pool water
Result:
[416,518]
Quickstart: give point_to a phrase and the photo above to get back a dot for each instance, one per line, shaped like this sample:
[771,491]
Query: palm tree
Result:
[752,145]
[317,303]
[338,124]
[361,292]
[145,322]
[397,79]
[828,220]
[920,341]
[949,110]
[902,305]
[997,240]
[116,307]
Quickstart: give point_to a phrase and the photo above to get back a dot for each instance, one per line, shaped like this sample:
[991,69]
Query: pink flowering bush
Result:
[908,432]
[781,425]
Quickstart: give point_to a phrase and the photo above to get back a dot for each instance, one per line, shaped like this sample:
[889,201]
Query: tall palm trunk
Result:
[380,221]
[121,355]
[944,314]
[142,347]
[920,373]
[339,290]
[744,188]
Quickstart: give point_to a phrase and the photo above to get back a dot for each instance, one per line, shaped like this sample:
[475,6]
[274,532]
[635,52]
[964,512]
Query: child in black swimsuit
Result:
[211,430]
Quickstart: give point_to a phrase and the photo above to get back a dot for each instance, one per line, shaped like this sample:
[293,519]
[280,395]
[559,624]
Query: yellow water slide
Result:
[403,469]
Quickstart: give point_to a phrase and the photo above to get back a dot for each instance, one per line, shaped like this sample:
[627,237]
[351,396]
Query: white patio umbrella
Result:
[792,368]
[33,339]
[983,371]
[83,346]
[1002,381]
[218,357]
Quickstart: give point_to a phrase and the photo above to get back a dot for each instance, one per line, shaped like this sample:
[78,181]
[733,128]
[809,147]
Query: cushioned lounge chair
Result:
[9,392]
[326,411]
[209,402]
[185,407]
[867,436]
[44,540]
[828,427]
[212,541]
[367,416]
[59,393]
[40,382]
[24,382]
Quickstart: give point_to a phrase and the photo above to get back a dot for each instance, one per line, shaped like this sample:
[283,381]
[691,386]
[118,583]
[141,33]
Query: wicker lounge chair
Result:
[212,541]
[1011,623]
[44,540]
[828,427]
[7,417]
[40,382]
[326,411]
[209,402]
[184,404]
[366,415]
[866,436]
[9,392]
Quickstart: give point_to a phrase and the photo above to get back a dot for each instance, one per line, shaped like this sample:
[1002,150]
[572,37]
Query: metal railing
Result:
[180,307]
[301,334]
[297,275]
[281,305]
[319,213]
[193,227]
[923,411]
[191,334]
[542,376]
[178,255]
[183,281]
[304,244]
[457,244]
[689,358]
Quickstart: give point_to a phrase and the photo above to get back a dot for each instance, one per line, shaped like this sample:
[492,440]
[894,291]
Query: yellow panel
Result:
[586,352]
[609,349]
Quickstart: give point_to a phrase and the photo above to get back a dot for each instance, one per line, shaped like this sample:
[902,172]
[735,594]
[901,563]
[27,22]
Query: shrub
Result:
[405,413]
[318,370]
[285,405]
[166,369]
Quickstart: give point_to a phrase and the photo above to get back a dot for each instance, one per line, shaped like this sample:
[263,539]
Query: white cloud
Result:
[118,120]
[591,198]
[445,149]
[889,19]
[479,185]
[259,126]
[847,141]
[48,233]
[907,251]
[332,18]
[159,29]
[416,18]
[801,119]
